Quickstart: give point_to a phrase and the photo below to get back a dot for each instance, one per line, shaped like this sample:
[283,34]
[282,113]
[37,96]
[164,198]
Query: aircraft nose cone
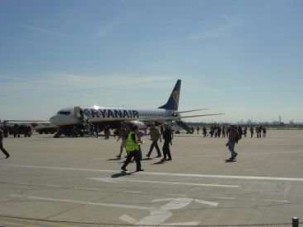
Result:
[54,120]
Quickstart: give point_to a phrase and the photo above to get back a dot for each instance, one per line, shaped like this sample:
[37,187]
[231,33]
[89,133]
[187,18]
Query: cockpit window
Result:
[62,112]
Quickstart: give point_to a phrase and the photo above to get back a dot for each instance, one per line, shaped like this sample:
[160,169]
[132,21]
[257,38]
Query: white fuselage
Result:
[96,114]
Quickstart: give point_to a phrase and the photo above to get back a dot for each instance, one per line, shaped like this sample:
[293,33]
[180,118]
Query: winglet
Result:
[173,100]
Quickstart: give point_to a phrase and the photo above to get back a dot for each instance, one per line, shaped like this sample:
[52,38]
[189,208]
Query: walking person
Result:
[122,133]
[154,136]
[264,131]
[251,129]
[167,137]
[133,149]
[106,132]
[204,131]
[1,144]
[233,138]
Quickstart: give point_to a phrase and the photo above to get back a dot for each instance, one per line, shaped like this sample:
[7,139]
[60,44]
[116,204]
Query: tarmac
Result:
[77,182]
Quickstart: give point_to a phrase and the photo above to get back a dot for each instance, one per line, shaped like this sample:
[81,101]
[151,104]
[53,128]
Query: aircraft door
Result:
[78,113]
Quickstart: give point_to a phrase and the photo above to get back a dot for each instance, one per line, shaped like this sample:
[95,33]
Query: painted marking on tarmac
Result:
[276,200]
[163,182]
[47,199]
[128,219]
[157,215]
[210,203]
[160,215]
[224,197]
[134,192]
[183,223]
[161,173]
[180,200]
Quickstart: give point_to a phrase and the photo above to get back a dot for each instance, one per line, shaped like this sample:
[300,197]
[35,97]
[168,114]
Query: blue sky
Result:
[240,57]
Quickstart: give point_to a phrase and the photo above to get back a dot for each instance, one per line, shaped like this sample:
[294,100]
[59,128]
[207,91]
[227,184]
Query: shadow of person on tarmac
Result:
[121,174]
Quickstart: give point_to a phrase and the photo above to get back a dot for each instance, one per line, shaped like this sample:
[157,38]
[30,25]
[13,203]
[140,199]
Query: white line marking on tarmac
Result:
[134,192]
[159,215]
[181,200]
[210,203]
[227,198]
[161,173]
[276,200]
[156,216]
[227,176]
[47,199]
[182,223]
[164,182]
[128,219]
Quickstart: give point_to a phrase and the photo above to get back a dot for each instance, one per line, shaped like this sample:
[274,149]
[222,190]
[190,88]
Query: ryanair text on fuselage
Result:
[110,113]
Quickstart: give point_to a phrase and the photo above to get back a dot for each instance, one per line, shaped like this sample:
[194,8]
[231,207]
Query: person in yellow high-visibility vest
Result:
[132,148]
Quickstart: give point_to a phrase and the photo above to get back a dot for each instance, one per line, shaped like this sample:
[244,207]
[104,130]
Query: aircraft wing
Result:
[188,111]
[175,118]
[26,121]
[201,115]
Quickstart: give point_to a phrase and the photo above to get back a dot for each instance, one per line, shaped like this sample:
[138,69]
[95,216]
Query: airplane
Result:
[73,118]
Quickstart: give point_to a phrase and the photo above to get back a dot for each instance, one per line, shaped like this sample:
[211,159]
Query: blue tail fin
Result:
[173,100]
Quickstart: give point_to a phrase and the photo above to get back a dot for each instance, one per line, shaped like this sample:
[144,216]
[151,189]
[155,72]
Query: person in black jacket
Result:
[1,144]
[167,137]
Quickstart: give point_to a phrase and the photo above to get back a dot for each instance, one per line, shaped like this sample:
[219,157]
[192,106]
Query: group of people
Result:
[218,131]
[131,140]
[16,130]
